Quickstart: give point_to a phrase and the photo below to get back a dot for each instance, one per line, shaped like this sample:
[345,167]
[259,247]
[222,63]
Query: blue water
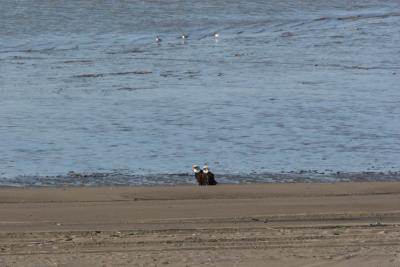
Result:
[291,90]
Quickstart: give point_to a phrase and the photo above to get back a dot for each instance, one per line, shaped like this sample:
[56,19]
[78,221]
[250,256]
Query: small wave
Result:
[190,60]
[359,17]
[287,34]
[96,75]
[337,36]
[355,67]
[169,73]
[43,50]
[30,50]
[310,83]
[134,88]
[192,74]
[128,51]
[76,61]
[26,58]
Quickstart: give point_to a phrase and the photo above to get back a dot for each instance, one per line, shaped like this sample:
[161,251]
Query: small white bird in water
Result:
[158,39]
[184,36]
[216,35]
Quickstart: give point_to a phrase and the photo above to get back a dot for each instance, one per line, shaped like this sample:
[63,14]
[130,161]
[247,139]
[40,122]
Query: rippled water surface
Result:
[290,89]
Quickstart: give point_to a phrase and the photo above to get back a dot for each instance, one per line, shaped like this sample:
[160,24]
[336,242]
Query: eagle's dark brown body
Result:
[200,178]
[205,178]
[209,178]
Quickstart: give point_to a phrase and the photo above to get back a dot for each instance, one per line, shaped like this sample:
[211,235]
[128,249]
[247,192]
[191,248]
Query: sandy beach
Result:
[342,224]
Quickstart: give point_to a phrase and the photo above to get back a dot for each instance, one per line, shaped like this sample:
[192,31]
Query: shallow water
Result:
[290,90]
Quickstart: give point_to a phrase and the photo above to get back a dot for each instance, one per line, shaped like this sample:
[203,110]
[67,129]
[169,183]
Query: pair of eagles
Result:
[205,176]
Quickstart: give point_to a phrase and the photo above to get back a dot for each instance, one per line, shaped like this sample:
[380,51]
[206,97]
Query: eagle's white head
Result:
[205,168]
[195,169]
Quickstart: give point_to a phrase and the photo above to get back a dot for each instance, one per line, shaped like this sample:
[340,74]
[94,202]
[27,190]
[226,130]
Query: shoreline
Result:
[93,179]
[184,191]
[294,224]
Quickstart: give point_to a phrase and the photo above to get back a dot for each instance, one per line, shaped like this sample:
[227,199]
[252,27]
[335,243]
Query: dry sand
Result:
[343,224]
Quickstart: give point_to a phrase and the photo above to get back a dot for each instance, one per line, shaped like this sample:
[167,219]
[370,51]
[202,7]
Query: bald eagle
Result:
[199,175]
[208,176]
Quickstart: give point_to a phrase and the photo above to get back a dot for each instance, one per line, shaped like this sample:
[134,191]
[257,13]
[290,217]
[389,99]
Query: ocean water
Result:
[290,91]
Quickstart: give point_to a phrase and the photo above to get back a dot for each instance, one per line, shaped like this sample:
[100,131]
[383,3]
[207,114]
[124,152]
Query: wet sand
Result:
[310,224]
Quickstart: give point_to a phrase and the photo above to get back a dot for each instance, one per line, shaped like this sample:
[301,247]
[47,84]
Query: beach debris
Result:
[263,220]
[117,234]
[376,224]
